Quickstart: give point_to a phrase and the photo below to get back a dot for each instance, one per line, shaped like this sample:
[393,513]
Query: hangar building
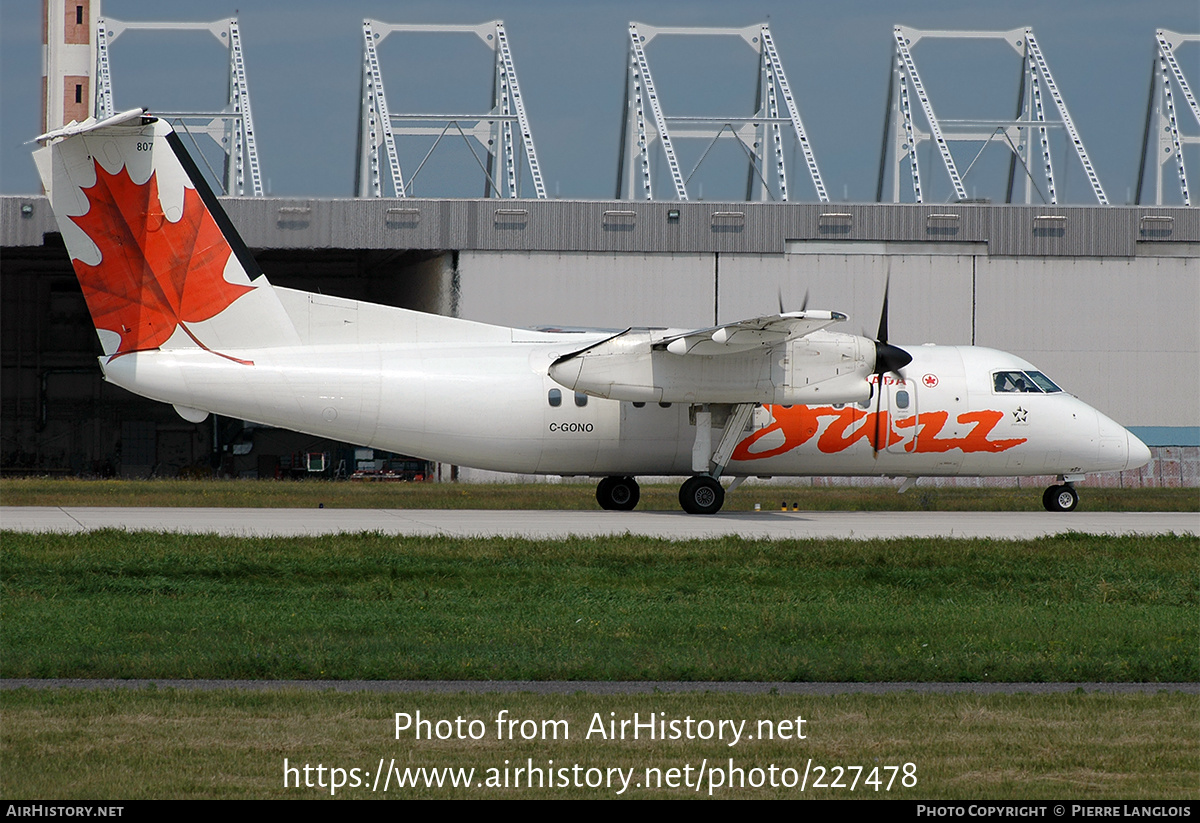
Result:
[1105,300]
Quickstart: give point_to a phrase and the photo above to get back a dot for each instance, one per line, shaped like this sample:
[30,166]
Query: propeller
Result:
[803,303]
[889,359]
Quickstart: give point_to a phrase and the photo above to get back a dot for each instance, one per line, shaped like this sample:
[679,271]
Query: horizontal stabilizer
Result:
[92,124]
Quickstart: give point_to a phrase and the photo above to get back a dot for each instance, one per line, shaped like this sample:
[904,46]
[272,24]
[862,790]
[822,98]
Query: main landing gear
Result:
[618,493]
[701,493]
[698,495]
[1061,498]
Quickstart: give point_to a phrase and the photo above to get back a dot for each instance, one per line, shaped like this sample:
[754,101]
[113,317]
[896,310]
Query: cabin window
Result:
[555,398]
[665,405]
[638,404]
[580,399]
[902,399]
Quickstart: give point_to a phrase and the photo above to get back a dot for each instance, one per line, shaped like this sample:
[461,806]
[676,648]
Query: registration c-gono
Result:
[570,427]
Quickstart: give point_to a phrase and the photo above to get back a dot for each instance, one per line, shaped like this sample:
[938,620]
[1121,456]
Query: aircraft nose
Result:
[1137,454]
[1119,449]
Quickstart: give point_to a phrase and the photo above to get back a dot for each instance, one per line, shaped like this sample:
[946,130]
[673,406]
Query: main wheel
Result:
[701,495]
[1062,498]
[618,493]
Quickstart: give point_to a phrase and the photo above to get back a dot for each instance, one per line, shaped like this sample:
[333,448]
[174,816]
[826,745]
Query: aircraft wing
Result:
[750,361]
[746,335]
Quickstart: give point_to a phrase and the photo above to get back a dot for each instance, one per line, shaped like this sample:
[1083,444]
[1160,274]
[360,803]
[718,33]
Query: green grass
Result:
[1075,608]
[128,745]
[131,605]
[309,494]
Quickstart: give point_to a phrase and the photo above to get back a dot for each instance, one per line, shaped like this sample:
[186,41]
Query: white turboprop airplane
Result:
[185,316]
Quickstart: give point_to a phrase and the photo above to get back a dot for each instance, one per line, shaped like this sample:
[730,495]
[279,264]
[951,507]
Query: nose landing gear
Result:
[1062,498]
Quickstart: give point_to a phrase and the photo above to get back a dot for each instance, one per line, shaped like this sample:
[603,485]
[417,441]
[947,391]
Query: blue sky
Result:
[303,62]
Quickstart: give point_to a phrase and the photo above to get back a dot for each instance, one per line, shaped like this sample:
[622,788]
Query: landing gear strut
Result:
[618,493]
[702,493]
[1062,498]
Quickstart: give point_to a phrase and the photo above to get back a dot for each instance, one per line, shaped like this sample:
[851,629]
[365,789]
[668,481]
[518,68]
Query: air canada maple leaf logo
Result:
[154,275]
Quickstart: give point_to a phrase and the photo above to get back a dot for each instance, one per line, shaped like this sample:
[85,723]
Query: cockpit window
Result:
[1042,381]
[1013,381]
[1032,382]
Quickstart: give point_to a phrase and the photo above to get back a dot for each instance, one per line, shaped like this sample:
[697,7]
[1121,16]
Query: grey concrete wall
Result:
[586,289]
[1121,333]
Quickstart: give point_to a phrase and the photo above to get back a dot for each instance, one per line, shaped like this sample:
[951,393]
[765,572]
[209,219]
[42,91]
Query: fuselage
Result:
[481,396]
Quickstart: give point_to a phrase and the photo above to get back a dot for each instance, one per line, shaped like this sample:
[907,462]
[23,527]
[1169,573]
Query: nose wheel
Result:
[618,493]
[1062,498]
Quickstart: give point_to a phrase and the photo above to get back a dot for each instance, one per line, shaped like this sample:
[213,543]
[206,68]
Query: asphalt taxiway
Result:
[560,524]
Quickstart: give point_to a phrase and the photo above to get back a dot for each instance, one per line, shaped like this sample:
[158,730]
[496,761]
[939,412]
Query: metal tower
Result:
[1018,135]
[639,133]
[1167,84]
[232,128]
[378,128]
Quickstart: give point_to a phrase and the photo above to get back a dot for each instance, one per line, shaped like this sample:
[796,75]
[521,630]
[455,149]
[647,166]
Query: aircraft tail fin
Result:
[159,262]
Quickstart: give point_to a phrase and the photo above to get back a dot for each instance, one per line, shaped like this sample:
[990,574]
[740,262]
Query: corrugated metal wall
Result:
[703,227]
[573,225]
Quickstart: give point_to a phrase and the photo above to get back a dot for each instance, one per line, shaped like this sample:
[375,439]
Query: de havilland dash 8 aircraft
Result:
[185,316]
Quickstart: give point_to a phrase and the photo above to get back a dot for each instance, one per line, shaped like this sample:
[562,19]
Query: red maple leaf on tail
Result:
[154,275]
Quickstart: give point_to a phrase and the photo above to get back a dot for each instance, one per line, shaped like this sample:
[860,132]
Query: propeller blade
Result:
[888,358]
[882,337]
[803,303]
[878,417]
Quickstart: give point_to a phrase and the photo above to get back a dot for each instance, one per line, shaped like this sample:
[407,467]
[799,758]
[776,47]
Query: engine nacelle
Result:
[821,367]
